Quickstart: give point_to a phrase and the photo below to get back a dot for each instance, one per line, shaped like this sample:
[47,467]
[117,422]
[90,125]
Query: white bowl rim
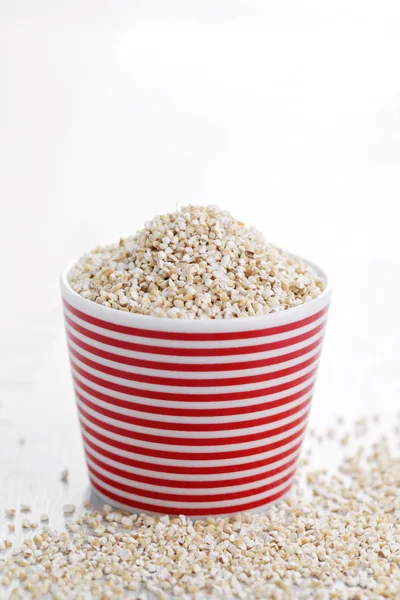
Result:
[150,322]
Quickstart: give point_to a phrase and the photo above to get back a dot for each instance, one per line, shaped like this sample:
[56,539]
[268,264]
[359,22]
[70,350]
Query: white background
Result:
[286,113]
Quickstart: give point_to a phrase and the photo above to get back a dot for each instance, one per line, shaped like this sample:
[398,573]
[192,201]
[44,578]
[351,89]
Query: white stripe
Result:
[195,405]
[222,462]
[195,359]
[193,505]
[198,516]
[195,391]
[204,491]
[179,374]
[185,477]
[199,435]
[198,344]
[220,418]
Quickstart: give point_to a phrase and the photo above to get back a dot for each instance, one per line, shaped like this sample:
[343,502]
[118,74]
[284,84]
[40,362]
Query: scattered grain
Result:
[64,476]
[345,439]
[342,543]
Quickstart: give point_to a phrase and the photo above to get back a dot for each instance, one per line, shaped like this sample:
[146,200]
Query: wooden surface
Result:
[102,129]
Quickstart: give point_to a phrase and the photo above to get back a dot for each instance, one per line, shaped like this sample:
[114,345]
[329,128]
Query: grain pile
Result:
[336,537]
[197,263]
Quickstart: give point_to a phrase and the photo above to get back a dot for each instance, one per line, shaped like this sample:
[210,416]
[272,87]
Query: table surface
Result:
[102,133]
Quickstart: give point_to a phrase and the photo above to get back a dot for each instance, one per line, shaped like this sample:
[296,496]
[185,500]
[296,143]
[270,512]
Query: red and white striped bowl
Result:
[193,417]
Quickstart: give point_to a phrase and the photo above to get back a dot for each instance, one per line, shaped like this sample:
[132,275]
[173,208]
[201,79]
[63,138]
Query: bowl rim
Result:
[150,322]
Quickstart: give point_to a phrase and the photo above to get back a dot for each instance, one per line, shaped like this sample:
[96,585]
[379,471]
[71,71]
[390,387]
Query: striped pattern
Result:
[192,422]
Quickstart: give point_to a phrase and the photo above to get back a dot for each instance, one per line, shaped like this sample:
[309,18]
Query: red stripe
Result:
[153,495]
[132,420]
[192,383]
[191,412]
[187,484]
[209,337]
[172,397]
[193,351]
[189,511]
[193,368]
[181,455]
[179,470]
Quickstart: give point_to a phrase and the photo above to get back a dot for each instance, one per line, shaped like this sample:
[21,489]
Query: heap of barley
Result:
[343,542]
[197,263]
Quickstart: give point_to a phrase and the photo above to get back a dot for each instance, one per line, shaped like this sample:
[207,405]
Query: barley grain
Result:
[64,476]
[197,263]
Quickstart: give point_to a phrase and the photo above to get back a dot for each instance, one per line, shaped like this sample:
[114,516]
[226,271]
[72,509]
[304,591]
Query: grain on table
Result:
[339,540]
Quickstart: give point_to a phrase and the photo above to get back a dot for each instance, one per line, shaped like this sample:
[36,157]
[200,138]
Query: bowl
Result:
[202,417]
